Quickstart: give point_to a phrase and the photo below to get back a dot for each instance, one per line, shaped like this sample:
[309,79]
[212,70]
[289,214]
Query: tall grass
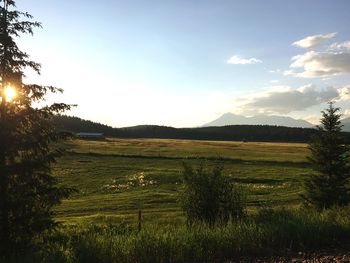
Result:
[269,232]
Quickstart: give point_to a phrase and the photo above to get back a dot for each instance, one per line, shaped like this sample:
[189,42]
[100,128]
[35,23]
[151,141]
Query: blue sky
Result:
[185,63]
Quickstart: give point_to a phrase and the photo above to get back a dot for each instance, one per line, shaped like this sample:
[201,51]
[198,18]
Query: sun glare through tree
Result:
[10,93]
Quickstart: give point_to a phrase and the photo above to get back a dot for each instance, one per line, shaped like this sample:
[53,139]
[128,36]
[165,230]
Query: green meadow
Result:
[117,177]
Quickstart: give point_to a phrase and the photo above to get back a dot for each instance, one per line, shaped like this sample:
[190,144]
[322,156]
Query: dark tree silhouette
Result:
[330,160]
[27,189]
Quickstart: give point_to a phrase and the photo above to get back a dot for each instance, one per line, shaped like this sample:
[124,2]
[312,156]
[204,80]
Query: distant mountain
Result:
[233,119]
[346,123]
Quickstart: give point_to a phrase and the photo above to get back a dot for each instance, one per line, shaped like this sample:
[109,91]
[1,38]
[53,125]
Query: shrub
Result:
[209,196]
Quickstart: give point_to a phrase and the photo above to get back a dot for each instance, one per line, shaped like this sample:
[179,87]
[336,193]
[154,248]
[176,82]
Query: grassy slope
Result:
[271,173]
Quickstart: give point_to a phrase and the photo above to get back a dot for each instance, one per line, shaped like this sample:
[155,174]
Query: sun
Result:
[10,93]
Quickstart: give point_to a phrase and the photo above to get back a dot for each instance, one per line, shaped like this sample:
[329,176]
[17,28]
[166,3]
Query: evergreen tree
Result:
[28,191]
[329,185]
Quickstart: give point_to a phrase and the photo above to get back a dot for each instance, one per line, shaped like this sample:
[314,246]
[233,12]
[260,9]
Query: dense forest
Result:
[227,133]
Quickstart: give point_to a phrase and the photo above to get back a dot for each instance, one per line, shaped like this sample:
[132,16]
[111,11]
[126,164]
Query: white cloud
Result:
[274,81]
[284,99]
[343,45]
[346,113]
[236,60]
[288,73]
[344,92]
[314,40]
[275,71]
[320,64]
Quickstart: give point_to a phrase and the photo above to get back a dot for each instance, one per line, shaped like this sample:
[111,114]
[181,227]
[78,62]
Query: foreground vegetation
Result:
[117,177]
[265,233]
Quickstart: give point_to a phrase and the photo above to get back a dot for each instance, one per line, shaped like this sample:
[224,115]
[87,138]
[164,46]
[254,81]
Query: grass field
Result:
[116,177]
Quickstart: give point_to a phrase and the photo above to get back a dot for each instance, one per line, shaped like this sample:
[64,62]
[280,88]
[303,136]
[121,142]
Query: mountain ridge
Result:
[273,120]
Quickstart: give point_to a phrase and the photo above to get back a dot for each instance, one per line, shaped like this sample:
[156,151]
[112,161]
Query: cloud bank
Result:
[320,64]
[342,45]
[314,40]
[284,99]
[236,60]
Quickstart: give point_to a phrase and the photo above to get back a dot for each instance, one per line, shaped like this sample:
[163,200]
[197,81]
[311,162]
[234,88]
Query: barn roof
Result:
[89,134]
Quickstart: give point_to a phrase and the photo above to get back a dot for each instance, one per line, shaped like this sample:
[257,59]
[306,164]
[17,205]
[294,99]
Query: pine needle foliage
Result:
[28,191]
[329,186]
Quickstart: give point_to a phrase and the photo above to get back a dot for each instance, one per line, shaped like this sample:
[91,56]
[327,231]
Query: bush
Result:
[209,196]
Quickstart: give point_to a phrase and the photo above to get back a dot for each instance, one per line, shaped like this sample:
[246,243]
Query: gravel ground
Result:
[338,256]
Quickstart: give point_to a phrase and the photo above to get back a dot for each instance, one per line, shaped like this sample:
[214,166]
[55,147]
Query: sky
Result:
[184,63]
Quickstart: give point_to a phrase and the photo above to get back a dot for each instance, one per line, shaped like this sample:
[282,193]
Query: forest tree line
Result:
[264,133]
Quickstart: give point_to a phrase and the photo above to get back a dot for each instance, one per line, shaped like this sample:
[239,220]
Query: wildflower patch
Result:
[134,180]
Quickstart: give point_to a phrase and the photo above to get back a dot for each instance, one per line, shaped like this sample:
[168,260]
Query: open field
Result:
[116,177]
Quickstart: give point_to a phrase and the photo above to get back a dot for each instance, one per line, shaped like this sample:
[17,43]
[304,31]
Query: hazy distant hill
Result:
[346,123]
[233,119]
